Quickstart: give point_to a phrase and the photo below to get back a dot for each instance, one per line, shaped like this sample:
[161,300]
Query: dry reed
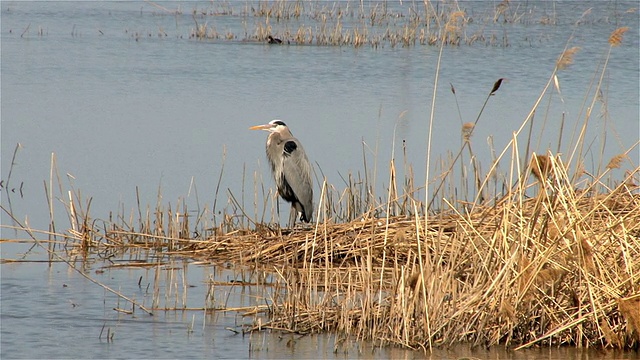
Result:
[563,268]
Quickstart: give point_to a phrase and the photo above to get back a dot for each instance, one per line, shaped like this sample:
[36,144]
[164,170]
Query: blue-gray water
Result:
[125,98]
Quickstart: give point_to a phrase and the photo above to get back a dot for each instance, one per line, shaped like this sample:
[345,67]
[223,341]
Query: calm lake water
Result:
[128,104]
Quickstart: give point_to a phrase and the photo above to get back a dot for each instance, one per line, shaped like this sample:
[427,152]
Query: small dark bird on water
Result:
[290,167]
[272,40]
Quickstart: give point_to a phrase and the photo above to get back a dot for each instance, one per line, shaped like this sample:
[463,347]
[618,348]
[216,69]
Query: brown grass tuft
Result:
[413,281]
[541,166]
[616,36]
[587,253]
[630,310]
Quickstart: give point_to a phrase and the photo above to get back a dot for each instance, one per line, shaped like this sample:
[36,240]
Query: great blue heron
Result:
[290,167]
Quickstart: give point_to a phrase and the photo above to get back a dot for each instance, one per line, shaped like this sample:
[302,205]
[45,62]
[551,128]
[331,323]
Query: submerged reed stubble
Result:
[376,24]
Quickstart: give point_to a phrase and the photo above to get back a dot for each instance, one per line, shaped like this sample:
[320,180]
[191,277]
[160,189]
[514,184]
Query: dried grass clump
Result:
[453,28]
[541,166]
[557,270]
[630,310]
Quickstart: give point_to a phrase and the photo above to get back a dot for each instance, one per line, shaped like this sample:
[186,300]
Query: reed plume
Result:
[616,36]
[615,161]
[566,58]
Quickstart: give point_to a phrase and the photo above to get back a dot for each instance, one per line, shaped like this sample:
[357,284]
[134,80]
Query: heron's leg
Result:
[278,209]
[293,215]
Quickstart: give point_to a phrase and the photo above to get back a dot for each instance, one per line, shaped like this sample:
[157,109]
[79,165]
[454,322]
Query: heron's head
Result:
[273,126]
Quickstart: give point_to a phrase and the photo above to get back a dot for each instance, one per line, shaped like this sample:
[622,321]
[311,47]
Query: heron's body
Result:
[290,167]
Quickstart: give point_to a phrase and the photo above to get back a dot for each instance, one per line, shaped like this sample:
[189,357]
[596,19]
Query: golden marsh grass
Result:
[559,268]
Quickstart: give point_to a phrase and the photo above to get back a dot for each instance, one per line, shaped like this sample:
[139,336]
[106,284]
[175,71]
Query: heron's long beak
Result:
[261,127]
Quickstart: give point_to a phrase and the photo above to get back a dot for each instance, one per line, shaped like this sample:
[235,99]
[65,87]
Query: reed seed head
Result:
[467,130]
[616,36]
[615,161]
[496,86]
[566,58]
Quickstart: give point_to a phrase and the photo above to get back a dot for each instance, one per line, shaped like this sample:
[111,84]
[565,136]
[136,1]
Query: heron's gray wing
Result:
[297,172]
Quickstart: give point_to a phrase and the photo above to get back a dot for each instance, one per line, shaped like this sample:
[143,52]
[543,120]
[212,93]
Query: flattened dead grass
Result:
[563,268]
